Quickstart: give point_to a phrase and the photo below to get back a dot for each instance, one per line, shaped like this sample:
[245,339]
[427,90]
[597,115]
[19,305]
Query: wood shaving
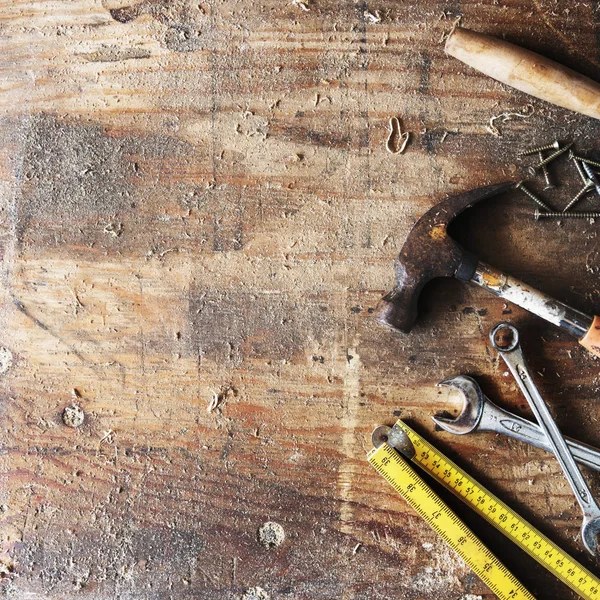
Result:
[372,17]
[213,403]
[114,229]
[301,5]
[226,392]
[527,112]
[455,24]
[108,437]
[397,140]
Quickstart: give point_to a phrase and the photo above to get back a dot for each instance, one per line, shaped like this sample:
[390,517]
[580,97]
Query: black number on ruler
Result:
[386,460]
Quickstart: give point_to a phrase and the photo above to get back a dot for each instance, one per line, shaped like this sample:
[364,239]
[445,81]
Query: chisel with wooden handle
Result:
[526,71]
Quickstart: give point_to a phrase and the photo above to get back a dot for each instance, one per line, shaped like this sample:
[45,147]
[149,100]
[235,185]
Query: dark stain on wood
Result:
[155,221]
[231,328]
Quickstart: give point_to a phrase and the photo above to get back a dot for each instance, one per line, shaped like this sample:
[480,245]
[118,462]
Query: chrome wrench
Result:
[479,413]
[505,339]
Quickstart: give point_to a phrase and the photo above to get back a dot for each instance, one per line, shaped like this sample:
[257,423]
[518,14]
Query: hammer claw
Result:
[429,252]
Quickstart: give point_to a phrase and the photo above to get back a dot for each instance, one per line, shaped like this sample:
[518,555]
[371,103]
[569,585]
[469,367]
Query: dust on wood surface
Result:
[198,218]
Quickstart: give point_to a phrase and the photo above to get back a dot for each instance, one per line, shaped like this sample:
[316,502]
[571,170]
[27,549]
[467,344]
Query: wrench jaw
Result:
[590,530]
[473,400]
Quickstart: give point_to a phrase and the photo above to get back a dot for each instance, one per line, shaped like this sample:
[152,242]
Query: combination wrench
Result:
[479,413]
[505,338]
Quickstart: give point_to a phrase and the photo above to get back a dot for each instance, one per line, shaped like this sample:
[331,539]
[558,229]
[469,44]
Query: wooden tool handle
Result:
[526,71]
[591,340]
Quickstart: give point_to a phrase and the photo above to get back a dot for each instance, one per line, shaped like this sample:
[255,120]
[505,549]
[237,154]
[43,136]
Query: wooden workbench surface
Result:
[198,218]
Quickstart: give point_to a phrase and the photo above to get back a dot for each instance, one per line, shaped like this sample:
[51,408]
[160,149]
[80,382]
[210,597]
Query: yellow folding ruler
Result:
[393,466]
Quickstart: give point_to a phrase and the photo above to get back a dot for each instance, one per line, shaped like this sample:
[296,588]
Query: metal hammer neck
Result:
[515,291]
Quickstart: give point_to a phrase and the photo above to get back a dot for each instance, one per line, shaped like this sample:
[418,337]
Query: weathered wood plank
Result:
[198,209]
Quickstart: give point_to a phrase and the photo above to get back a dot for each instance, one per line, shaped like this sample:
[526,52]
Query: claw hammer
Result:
[429,252]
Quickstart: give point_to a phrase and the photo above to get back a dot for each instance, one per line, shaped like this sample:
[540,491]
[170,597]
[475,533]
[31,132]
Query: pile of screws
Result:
[584,168]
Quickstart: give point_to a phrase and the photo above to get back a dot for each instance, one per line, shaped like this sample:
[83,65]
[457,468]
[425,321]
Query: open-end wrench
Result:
[505,339]
[479,413]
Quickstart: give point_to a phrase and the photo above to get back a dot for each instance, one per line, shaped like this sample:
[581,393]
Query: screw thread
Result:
[594,163]
[529,193]
[553,146]
[579,168]
[592,176]
[554,155]
[570,215]
[584,190]
[546,174]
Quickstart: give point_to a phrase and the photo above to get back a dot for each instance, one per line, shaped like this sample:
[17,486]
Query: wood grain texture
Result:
[198,208]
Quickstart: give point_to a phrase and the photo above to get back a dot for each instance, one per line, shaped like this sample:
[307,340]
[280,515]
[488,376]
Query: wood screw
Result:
[570,215]
[550,158]
[585,160]
[582,192]
[539,202]
[592,176]
[554,146]
[546,173]
[578,166]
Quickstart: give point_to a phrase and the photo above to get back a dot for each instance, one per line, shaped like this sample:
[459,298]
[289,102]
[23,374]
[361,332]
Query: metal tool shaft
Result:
[479,413]
[498,420]
[513,357]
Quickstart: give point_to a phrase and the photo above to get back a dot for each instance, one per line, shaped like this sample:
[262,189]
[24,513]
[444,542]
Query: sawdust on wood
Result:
[6,359]
[73,416]
[271,534]
[255,593]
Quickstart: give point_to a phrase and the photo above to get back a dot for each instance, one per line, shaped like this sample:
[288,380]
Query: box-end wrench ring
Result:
[479,413]
[505,338]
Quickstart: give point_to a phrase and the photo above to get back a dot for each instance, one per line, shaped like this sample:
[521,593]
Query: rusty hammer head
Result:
[429,252]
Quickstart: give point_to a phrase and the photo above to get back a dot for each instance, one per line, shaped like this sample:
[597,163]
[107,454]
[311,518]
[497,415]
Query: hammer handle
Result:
[585,328]
[525,70]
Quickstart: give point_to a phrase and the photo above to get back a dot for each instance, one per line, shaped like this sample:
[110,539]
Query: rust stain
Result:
[491,280]
[438,232]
